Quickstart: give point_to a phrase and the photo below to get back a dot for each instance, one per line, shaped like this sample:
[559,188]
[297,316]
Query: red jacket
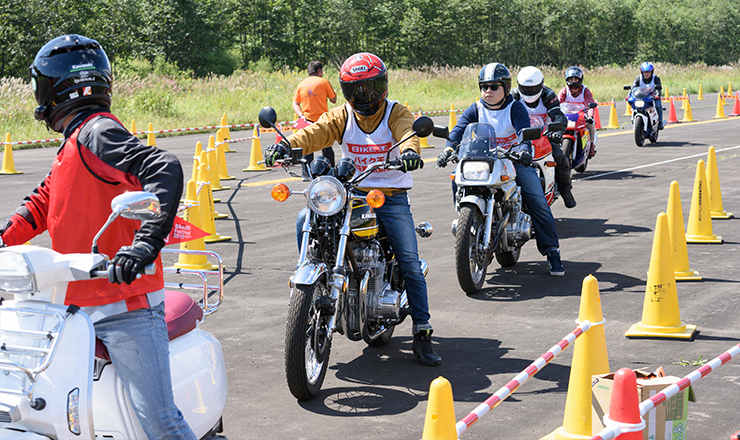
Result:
[99,160]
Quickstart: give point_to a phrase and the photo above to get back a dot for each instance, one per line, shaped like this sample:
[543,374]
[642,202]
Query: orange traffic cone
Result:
[597,119]
[225,133]
[223,172]
[736,107]
[715,194]
[205,201]
[439,423]
[700,219]
[661,317]
[624,406]
[720,114]
[613,121]
[688,116]
[151,141]
[453,118]
[8,162]
[255,155]
[672,119]
[193,215]
[681,268]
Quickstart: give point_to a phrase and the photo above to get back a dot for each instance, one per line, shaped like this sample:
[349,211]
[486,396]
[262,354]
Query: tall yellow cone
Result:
[667,93]
[196,159]
[722,94]
[720,114]
[208,159]
[700,95]
[439,423]
[223,172]
[193,215]
[729,88]
[8,162]
[225,133]
[683,101]
[700,219]
[423,142]
[681,268]
[133,126]
[613,121]
[715,193]
[589,358]
[205,201]
[661,317]
[212,158]
[255,155]
[453,117]
[688,116]
[151,141]
[627,109]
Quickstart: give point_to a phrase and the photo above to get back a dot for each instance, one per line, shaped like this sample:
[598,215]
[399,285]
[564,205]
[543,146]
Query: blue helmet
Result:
[646,67]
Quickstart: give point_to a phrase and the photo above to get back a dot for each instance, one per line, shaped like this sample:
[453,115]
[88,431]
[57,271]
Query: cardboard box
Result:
[665,422]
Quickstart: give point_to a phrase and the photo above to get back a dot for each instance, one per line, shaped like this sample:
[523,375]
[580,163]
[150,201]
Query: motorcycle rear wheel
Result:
[307,347]
[639,132]
[470,262]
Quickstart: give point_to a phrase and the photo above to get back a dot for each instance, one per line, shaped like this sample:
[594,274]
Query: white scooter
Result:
[54,384]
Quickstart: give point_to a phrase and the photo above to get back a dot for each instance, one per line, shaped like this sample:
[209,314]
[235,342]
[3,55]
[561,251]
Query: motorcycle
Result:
[492,217]
[542,158]
[576,139]
[57,380]
[347,279]
[644,114]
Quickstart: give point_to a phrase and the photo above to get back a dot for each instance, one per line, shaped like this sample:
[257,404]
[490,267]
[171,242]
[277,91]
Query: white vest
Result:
[540,110]
[501,121]
[580,99]
[651,84]
[366,148]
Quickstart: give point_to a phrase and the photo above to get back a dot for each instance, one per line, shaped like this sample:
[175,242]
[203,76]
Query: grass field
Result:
[170,102]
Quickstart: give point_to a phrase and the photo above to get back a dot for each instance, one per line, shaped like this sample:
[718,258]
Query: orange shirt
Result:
[312,94]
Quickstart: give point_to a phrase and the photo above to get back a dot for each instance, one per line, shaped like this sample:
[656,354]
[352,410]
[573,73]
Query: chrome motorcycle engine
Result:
[519,227]
[380,302]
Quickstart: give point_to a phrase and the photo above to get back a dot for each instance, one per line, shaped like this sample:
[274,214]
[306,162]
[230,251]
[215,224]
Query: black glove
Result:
[129,261]
[275,152]
[589,120]
[410,161]
[444,157]
[555,136]
[525,158]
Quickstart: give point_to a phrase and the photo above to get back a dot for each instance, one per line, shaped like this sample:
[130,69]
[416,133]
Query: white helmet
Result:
[530,82]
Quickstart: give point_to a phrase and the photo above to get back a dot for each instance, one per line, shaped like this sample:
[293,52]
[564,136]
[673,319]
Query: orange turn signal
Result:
[452,176]
[505,178]
[550,164]
[280,192]
[375,198]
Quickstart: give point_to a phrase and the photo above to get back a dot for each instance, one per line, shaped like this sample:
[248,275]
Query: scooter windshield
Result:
[641,92]
[479,141]
[571,108]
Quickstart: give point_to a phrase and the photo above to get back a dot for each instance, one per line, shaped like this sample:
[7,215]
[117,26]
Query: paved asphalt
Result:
[484,339]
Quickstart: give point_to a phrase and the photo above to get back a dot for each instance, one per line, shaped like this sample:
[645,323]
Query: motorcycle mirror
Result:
[530,134]
[627,87]
[441,131]
[137,205]
[423,126]
[267,117]
[593,105]
[554,126]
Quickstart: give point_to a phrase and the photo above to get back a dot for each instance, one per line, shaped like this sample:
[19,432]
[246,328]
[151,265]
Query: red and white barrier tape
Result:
[646,406]
[504,392]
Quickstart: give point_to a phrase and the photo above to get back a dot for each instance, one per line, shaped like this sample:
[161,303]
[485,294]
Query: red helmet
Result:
[364,81]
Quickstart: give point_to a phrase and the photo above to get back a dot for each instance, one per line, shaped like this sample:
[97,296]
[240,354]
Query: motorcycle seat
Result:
[181,313]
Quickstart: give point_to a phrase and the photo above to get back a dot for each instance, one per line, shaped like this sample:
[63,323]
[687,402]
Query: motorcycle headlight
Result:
[639,103]
[326,196]
[15,274]
[476,170]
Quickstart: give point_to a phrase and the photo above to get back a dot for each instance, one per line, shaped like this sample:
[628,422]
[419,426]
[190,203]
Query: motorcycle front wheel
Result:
[654,137]
[307,346]
[568,150]
[471,262]
[581,147]
[639,132]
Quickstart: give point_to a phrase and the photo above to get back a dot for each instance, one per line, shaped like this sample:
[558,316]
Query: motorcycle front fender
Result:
[308,273]
[480,202]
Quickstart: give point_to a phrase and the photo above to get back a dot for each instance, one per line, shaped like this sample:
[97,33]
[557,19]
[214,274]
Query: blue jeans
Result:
[396,220]
[138,345]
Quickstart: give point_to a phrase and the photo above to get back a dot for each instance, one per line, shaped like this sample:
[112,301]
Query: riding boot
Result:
[423,348]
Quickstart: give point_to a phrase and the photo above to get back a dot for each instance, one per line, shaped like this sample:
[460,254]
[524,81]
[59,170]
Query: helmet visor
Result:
[366,92]
[530,90]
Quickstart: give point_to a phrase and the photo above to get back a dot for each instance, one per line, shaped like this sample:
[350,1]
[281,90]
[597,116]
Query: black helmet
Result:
[574,72]
[70,73]
[495,72]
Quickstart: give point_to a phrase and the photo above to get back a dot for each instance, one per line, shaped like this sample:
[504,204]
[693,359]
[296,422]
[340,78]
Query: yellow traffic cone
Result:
[667,93]
[206,158]
[681,268]
[133,126]
[423,142]
[700,219]
[688,116]
[729,88]
[661,317]
[151,141]
[223,172]
[453,118]
[8,162]
[205,201]
[193,215]
[196,159]
[225,134]
[439,423]
[700,95]
[683,101]
[589,358]
[722,94]
[627,109]
[613,122]
[212,158]
[720,114]
[715,194]
[255,155]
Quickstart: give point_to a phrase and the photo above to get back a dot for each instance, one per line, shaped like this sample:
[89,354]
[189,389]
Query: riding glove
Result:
[275,152]
[555,136]
[411,160]
[444,156]
[525,158]
[129,261]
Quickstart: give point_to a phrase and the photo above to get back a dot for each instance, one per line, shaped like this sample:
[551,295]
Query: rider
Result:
[575,91]
[365,128]
[648,78]
[542,101]
[100,159]
[508,118]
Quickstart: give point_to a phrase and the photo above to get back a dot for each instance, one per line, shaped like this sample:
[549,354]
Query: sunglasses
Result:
[493,87]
